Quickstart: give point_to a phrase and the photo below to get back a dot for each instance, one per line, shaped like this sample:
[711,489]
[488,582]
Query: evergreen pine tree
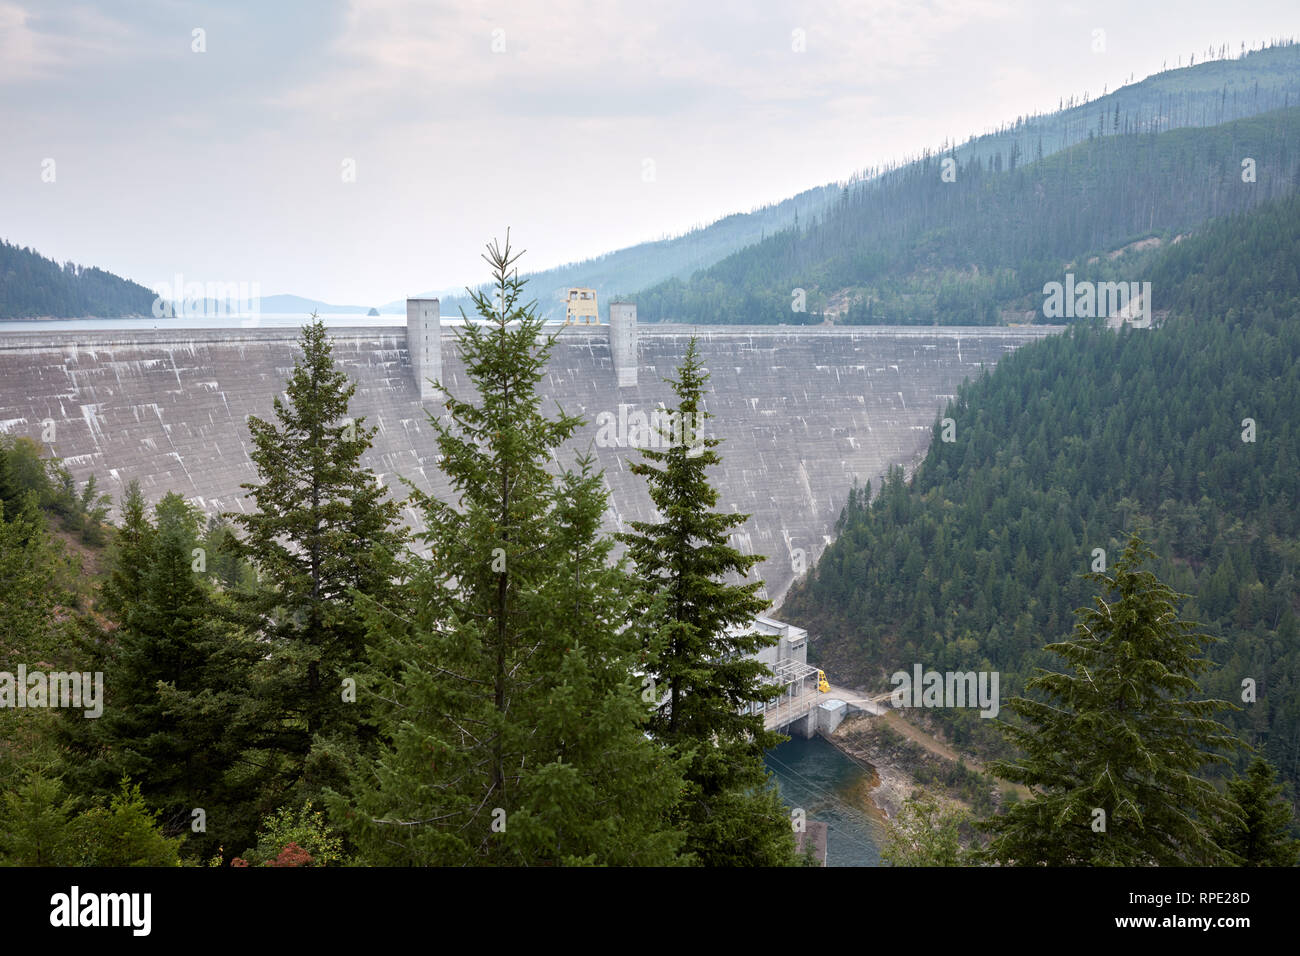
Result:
[35,631]
[8,486]
[128,555]
[176,677]
[34,813]
[225,568]
[513,724]
[699,644]
[1259,834]
[607,793]
[323,529]
[1112,756]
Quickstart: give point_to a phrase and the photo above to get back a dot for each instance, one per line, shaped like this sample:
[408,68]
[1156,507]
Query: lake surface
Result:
[266,320]
[831,788]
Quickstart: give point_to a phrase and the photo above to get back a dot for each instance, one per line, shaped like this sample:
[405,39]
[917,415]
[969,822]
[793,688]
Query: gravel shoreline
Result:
[893,785]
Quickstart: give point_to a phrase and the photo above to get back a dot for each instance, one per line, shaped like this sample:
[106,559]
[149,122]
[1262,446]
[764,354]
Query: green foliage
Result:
[81,511]
[34,821]
[37,626]
[1258,834]
[128,556]
[25,471]
[225,568]
[323,531]
[925,834]
[39,826]
[305,827]
[1120,733]
[177,677]
[125,833]
[91,508]
[29,631]
[512,728]
[975,563]
[697,640]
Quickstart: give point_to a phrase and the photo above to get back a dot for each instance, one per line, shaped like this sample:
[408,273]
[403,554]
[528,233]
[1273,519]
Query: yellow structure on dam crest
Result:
[580,307]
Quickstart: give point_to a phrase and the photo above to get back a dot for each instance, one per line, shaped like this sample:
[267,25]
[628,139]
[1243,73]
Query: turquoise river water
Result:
[831,788]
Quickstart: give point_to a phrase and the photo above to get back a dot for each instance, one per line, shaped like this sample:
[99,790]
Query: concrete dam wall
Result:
[803,412]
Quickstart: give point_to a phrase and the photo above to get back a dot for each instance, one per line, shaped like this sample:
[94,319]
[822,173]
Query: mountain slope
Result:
[917,249]
[1065,446]
[32,286]
[1206,94]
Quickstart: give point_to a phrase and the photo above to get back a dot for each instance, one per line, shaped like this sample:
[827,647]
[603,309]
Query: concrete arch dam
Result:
[803,411]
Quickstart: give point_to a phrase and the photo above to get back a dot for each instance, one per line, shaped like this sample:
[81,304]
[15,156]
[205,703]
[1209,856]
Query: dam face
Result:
[803,412]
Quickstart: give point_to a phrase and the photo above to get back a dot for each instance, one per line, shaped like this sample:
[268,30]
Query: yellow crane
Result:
[823,686]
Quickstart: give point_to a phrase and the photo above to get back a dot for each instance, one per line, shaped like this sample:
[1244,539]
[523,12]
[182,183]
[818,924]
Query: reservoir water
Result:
[833,789]
[267,320]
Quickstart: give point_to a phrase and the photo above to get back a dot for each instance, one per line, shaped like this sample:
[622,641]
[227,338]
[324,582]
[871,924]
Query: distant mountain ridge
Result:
[1206,94]
[940,244]
[296,303]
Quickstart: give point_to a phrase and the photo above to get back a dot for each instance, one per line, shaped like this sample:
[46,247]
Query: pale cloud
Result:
[40,45]
[25,52]
[578,58]
[227,164]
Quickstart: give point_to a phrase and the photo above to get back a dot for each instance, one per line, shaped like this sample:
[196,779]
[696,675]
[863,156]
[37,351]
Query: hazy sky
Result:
[584,127]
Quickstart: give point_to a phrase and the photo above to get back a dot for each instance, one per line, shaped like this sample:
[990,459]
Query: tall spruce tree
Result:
[1259,834]
[699,646]
[29,593]
[176,677]
[323,529]
[1112,753]
[35,631]
[514,727]
[128,555]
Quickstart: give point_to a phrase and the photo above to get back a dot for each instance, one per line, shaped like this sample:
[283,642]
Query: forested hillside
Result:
[32,286]
[916,249]
[1210,90]
[1069,443]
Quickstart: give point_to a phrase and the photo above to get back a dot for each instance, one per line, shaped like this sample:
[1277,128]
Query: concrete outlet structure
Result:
[622,342]
[424,343]
[787,659]
[830,714]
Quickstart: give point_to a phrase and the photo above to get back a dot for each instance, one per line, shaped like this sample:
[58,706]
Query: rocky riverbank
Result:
[910,761]
[892,784]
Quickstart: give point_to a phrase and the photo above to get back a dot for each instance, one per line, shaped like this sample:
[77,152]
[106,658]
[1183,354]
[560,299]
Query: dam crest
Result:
[803,411]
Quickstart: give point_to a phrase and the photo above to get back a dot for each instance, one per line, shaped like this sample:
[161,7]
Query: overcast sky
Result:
[585,127]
